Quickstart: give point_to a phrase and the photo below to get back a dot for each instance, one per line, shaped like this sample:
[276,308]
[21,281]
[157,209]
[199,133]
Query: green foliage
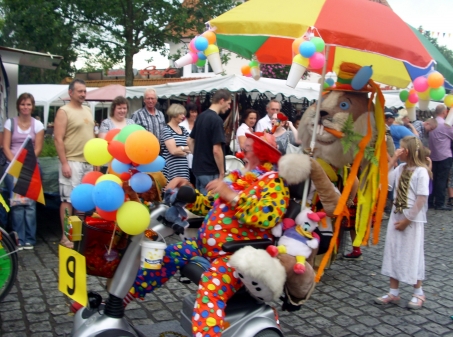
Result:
[48,149]
[369,155]
[443,49]
[351,138]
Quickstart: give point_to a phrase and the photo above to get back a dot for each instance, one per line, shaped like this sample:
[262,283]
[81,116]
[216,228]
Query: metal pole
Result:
[315,124]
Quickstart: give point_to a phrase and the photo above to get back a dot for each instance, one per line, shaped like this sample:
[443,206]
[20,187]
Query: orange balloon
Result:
[142,147]
[112,133]
[118,151]
[246,70]
[296,44]
[412,91]
[435,80]
[210,36]
[91,177]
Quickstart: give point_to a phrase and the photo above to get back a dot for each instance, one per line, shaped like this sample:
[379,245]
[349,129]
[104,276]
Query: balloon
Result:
[317,60]
[195,56]
[91,177]
[201,43]
[120,167]
[110,177]
[95,152]
[448,100]
[82,197]
[424,95]
[112,133]
[108,195]
[307,49]
[140,182]
[118,151]
[132,217]
[421,84]
[192,46]
[326,85]
[106,215]
[319,44]
[212,48]
[245,70]
[142,147]
[330,82]
[413,98]
[435,80]
[253,63]
[404,95]
[127,130]
[155,166]
[200,63]
[296,44]
[210,36]
[362,77]
[437,94]
[201,56]
[125,176]
[112,171]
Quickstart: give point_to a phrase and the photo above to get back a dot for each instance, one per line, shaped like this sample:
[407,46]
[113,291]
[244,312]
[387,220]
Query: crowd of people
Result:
[194,146]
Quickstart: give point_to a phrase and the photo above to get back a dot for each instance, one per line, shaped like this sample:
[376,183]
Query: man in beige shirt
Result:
[73,128]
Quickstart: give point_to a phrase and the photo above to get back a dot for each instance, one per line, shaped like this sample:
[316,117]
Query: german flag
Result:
[25,168]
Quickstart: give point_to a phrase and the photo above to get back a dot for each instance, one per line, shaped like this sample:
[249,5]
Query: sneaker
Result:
[28,246]
[353,256]
[20,247]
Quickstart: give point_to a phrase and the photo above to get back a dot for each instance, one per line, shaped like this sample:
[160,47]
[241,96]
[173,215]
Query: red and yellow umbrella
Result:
[359,31]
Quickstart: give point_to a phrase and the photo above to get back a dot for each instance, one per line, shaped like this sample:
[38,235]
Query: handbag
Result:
[290,148]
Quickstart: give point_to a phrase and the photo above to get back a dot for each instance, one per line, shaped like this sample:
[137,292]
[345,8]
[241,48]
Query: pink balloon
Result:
[421,84]
[317,60]
[194,57]
[413,98]
[192,47]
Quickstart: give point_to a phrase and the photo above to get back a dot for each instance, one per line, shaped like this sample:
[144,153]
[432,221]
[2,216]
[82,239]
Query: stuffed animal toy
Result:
[298,238]
[176,215]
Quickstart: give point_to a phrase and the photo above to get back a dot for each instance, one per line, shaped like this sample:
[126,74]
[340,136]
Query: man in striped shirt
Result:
[149,117]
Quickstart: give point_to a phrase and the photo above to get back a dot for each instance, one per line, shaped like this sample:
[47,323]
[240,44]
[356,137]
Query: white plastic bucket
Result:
[152,254]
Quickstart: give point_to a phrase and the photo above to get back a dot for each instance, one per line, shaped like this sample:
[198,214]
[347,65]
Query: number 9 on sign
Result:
[72,279]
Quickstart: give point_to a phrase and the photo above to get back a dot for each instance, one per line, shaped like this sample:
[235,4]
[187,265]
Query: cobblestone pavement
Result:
[342,304]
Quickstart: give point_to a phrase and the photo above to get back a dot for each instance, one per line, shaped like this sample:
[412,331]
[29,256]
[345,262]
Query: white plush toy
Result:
[298,238]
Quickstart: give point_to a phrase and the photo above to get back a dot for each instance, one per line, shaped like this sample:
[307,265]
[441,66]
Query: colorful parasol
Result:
[364,32]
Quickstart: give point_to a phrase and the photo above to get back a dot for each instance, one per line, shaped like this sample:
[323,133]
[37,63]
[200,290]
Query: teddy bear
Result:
[176,215]
[297,237]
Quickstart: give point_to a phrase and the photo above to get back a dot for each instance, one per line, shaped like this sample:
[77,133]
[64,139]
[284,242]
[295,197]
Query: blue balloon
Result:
[330,81]
[307,49]
[82,197]
[120,167]
[201,43]
[362,77]
[108,195]
[201,56]
[140,182]
[155,166]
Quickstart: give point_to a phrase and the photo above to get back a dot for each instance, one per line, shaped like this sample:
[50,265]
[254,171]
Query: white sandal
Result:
[417,305]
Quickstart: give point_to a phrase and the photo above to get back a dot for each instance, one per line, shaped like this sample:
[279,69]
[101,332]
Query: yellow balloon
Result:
[448,100]
[424,95]
[96,153]
[111,177]
[409,104]
[132,217]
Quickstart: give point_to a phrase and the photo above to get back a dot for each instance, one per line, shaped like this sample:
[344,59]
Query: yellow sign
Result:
[72,279]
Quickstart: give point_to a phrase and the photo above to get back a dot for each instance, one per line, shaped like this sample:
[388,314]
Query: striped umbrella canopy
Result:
[363,32]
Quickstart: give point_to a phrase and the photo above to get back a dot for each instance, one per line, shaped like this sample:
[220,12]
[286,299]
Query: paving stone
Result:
[136,314]
[41,326]
[360,330]
[386,330]
[368,321]
[43,316]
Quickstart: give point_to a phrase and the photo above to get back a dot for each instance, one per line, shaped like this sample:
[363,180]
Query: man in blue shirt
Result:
[398,132]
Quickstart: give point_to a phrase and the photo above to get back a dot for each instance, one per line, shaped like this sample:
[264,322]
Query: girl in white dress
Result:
[404,259]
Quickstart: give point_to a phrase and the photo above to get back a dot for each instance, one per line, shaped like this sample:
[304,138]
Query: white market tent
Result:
[47,95]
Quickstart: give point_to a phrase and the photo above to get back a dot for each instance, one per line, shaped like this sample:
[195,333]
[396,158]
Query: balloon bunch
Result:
[252,70]
[309,53]
[425,88]
[129,153]
[202,47]
[448,101]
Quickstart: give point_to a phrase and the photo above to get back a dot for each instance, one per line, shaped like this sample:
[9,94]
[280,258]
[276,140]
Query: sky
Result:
[432,15]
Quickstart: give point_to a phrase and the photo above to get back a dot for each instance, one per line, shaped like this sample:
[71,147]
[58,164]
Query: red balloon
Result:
[91,177]
[118,151]
[125,176]
[106,215]
[112,133]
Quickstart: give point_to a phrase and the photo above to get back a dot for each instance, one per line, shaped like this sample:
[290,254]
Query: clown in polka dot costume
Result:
[260,203]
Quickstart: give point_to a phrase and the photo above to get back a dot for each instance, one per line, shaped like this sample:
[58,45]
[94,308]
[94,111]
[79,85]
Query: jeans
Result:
[23,218]
[441,171]
[203,180]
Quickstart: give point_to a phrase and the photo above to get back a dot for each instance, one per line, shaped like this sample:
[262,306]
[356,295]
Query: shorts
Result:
[78,170]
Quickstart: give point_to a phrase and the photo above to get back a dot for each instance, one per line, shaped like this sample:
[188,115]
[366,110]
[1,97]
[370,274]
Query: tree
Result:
[443,49]
[36,26]
[119,29]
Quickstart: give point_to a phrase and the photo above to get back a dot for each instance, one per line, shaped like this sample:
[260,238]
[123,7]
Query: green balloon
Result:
[319,44]
[404,95]
[437,94]
[254,64]
[200,63]
[326,85]
[126,131]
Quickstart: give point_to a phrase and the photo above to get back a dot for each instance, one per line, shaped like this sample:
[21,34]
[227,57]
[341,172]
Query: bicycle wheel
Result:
[8,264]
